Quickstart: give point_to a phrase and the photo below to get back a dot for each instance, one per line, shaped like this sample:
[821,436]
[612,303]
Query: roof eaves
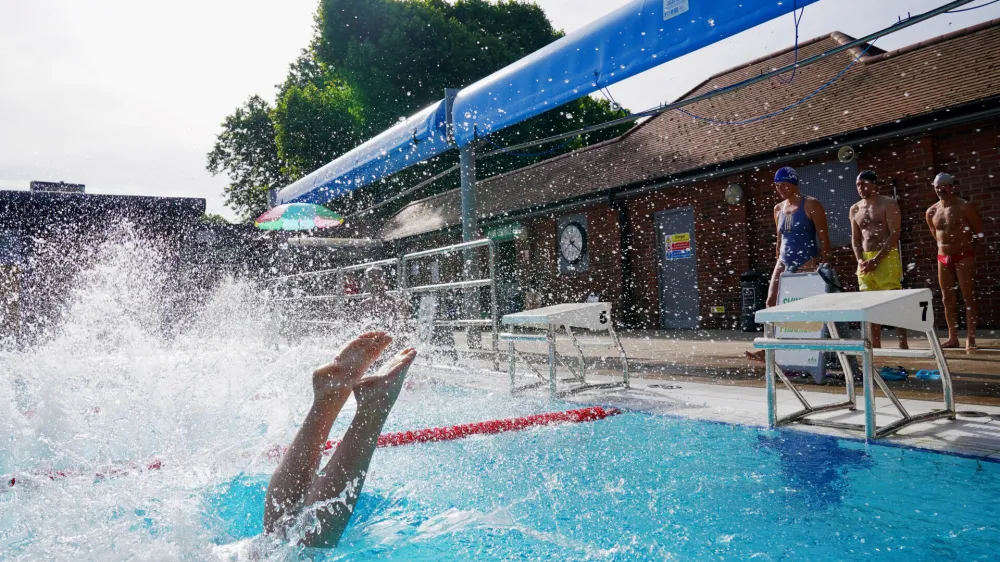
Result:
[932,41]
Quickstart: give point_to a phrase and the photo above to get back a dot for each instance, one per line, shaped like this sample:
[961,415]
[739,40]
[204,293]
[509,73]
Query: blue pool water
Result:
[638,487]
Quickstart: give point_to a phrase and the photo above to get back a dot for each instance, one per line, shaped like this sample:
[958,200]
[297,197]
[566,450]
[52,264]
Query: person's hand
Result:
[867,266]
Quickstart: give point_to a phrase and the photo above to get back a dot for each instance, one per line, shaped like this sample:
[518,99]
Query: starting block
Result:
[910,309]
[554,319]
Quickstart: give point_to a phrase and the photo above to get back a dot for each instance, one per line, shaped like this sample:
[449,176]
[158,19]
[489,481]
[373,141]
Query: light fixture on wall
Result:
[734,194]
[845,154]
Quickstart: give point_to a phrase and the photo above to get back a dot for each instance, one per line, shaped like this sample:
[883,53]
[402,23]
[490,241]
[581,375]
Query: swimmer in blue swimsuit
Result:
[316,507]
[803,238]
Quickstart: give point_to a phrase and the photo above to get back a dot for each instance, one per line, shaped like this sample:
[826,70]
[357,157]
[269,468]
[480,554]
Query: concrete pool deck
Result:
[716,357]
[976,435]
[704,376]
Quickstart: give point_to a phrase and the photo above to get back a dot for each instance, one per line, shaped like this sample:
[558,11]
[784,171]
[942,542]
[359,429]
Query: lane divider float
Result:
[431,435]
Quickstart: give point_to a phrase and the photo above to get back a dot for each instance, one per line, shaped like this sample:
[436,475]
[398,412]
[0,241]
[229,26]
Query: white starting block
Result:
[910,309]
[589,316]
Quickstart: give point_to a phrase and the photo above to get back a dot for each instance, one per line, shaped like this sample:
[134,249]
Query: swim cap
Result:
[944,179]
[868,175]
[787,175]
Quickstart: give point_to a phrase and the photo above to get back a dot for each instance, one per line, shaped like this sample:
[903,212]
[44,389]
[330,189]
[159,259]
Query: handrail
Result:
[449,249]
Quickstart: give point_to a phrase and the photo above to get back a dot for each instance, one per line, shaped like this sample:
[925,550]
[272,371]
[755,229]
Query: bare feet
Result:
[339,377]
[950,343]
[970,345]
[378,393]
[903,344]
[757,356]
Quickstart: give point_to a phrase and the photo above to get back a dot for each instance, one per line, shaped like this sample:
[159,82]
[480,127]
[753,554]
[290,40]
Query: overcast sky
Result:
[127,96]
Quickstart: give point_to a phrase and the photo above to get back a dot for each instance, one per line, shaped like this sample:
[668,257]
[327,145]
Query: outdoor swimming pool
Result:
[635,486]
[210,400]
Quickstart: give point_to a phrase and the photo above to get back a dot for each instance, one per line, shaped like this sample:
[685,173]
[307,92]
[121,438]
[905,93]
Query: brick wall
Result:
[734,238]
[722,256]
[539,253]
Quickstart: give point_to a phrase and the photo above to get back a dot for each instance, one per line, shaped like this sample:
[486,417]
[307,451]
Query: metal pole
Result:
[467,160]
[867,361]
[470,231]
[845,363]
[494,308]
[949,396]
[552,361]
[772,402]
[510,364]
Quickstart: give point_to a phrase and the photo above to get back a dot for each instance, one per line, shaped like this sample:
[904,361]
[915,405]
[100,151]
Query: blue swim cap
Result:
[787,175]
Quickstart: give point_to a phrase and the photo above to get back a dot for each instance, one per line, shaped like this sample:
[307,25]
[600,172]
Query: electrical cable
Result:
[787,107]
[659,110]
[972,8]
[798,20]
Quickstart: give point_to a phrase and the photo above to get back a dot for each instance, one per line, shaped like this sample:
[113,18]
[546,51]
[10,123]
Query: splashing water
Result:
[126,381]
[134,375]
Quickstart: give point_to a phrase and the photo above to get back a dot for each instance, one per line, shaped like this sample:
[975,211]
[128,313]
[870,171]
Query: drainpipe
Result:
[628,284]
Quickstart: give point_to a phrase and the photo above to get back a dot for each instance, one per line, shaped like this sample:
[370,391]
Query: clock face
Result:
[573,242]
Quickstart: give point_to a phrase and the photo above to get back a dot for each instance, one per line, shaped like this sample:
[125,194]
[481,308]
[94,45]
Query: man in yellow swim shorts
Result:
[875,227]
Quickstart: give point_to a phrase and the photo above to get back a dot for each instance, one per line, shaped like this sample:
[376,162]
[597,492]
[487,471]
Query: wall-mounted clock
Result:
[573,242]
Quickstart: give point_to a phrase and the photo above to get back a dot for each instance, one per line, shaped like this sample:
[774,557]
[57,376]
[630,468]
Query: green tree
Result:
[247,152]
[372,62]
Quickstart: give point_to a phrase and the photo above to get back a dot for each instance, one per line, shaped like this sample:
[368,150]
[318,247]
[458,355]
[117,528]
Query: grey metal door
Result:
[678,264]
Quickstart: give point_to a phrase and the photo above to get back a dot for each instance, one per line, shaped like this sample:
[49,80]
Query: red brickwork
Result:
[734,238]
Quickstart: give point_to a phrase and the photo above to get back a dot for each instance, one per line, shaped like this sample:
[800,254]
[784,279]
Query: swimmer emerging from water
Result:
[323,502]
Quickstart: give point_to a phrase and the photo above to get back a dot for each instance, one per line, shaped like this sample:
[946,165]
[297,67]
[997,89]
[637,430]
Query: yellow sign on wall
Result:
[677,246]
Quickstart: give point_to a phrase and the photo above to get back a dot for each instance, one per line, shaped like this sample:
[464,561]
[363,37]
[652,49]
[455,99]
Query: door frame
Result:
[660,259]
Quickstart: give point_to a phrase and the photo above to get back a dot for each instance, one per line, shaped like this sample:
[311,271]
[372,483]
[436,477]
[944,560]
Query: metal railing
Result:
[470,281]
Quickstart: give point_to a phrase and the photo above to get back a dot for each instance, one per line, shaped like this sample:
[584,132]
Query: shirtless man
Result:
[875,227]
[803,241]
[956,227]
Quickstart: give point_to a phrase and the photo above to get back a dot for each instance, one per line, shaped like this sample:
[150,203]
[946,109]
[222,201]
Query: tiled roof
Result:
[880,88]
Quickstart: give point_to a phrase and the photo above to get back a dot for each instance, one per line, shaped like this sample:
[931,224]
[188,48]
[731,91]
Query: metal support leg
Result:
[845,364]
[867,365]
[949,396]
[772,402]
[579,353]
[510,365]
[621,353]
[552,361]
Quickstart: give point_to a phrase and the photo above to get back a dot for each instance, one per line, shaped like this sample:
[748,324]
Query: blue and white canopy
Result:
[636,37]
[413,140]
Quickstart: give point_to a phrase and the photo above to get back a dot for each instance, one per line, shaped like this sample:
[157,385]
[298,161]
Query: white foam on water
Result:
[125,379]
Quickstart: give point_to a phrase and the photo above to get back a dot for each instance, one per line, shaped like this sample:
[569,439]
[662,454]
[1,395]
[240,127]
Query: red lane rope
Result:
[492,427]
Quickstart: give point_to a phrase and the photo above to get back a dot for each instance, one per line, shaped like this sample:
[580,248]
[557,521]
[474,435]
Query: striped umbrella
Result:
[298,216]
